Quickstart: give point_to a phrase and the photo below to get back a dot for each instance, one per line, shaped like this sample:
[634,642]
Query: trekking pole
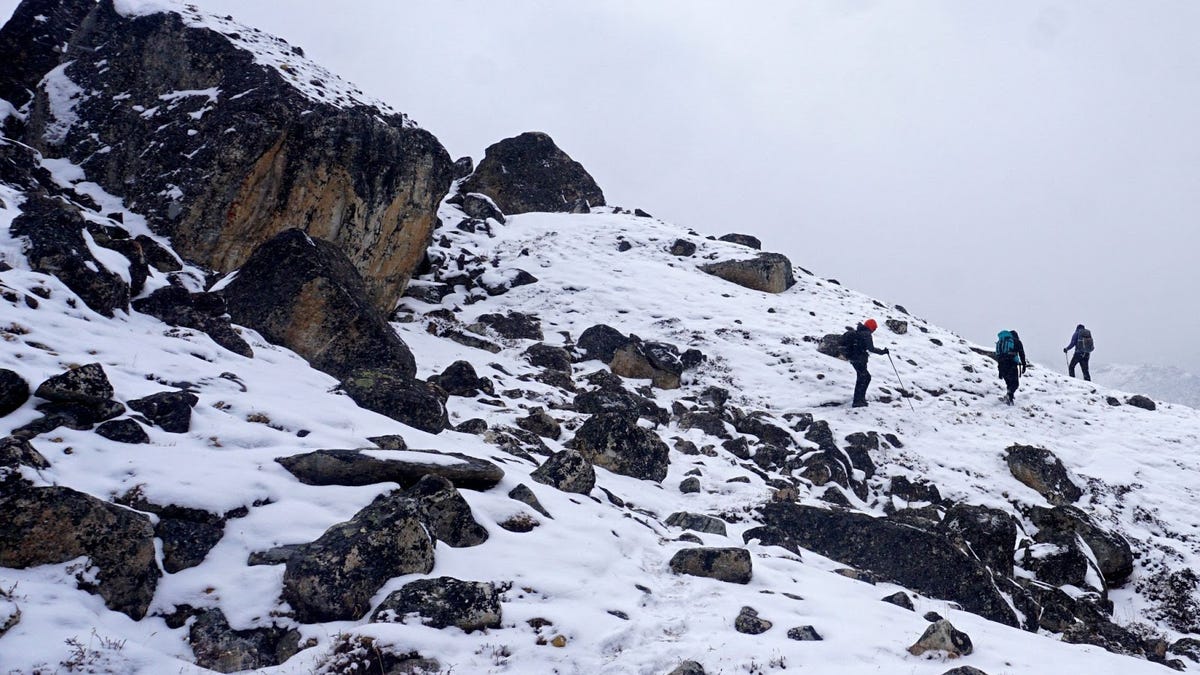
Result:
[902,387]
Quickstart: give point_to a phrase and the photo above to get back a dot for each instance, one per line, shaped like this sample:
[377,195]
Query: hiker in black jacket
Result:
[1081,342]
[1010,358]
[858,346]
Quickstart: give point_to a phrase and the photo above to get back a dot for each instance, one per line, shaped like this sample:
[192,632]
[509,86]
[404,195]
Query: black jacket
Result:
[858,344]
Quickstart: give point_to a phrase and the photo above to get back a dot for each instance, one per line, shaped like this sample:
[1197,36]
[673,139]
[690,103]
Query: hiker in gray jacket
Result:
[1083,345]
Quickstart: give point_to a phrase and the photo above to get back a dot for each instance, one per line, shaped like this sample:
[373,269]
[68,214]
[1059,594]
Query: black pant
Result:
[1080,360]
[1008,373]
[860,384]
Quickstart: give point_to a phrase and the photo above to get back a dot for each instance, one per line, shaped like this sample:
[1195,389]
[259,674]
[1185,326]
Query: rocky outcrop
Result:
[1041,470]
[14,391]
[616,442]
[305,294]
[768,272]
[366,466]
[267,148]
[731,565]
[443,602]
[530,173]
[50,525]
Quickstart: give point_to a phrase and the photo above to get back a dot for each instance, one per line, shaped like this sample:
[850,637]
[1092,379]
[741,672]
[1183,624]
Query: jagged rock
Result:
[568,471]
[376,197]
[389,442]
[942,636]
[546,356]
[529,173]
[540,423]
[513,325]
[14,391]
[169,410]
[1139,401]
[616,442]
[334,577]
[990,533]
[768,272]
[919,490]
[697,521]
[366,466]
[50,525]
[55,245]
[459,379]
[601,342]
[204,312]
[481,206]
[523,494]
[306,295]
[392,393]
[445,513]
[86,385]
[1113,555]
[896,326]
[708,422]
[218,647]
[804,634]
[123,431]
[748,622]
[443,602]
[683,248]
[1039,469]
[742,240]
[900,599]
[942,571]
[689,485]
[732,565]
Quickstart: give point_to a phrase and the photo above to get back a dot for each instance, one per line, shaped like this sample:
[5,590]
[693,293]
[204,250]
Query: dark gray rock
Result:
[474,426]
[334,577]
[306,295]
[1112,553]
[389,442]
[481,206]
[530,173]
[742,240]
[513,325]
[683,248]
[756,425]
[900,599]
[459,379]
[204,312]
[732,565]
[86,385]
[990,533]
[941,571]
[601,342]
[859,447]
[14,391]
[697,521]
[616,442]
[123,431]
[391,393]
[748,622]
[445,513]
[540,423]
[15,452]
[919,490]
[1139,401]
[367,466]
[942,636]
[169,410]
[688,668]
[1041,470]
[768,272]
[523,494]
[568,471]
[804,634]
[505,281]
[443,602]
[50,525]
[1059,562]
[218,647]
[546,356]
[689,485]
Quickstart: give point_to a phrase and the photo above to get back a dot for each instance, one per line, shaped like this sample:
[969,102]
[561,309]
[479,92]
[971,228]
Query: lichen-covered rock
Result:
[481,206]
[334,577]
[14,391]
[87,385]
[568,471]
[169,410]
[443,602]
[683,248]
[732,565]
[123,431]
[218,647]
[1041,470]
[50,525]
[366,466]
[445,513]
[388,392]
[768,272]
[523,494]
[942,636]
[658,362]
[748,622]
[697,521]
[804,634]
[530,173]
[616,442]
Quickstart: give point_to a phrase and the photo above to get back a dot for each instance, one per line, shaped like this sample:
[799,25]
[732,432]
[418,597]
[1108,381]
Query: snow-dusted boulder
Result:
[732,565]
[530,173]
[767,272]
[747,240]
[616,442]
[366,466]
[1041,470]
[481,206]
[443,602]
[990,533]
[86,385]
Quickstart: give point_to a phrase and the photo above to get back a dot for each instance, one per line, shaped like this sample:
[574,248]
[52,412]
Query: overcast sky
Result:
[1025,164]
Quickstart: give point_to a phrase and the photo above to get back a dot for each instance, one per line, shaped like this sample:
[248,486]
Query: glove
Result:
[886,351]
[1066,349]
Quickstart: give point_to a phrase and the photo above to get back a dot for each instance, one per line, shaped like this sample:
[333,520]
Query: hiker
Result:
[1010,357]
[857,345]
[1081,342]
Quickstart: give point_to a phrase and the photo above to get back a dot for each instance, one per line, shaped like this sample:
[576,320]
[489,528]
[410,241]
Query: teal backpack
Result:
[1006,346]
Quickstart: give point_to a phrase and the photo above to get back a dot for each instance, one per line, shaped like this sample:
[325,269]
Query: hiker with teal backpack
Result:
[1010,357]
[1083,345]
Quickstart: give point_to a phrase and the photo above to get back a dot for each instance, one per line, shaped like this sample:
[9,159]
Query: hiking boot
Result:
[858,404]
[1009,398]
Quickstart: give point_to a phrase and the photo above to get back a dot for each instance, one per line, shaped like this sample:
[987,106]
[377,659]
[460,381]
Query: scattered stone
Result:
[616,442]
[804,634]
[568,471]
[169,410]
[689,485]
[364,467]
[1039,469]
[768,272]
[944,637]
[748,622]
[698,522]
[742,240]
[443,602]
[901,599]
[731,565]
[1139,401]
[14,391]
[123,431]
[523,494]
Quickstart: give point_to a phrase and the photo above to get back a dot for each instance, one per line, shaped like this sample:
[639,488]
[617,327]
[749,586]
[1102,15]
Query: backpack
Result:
[1006,346]
[1084,343]
[848,343]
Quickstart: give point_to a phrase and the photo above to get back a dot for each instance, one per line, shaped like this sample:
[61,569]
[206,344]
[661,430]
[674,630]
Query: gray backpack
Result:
[1084,343]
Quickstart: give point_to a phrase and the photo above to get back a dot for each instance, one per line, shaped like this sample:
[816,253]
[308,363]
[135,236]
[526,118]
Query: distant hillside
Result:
[1162,382]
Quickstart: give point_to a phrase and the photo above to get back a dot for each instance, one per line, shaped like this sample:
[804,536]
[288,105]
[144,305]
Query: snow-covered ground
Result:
[1168,383]
[592,558]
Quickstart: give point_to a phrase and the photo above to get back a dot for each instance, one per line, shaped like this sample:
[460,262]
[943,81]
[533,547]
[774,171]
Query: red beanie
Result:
[870,323]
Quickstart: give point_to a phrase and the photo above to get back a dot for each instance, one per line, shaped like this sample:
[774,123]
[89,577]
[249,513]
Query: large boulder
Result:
[616,442]
[334,577]
[767,272]
[915,558]
[366,466]
[306,295]
[1041,470]
[530,173]
[418,404]
[51,525]
[731,565]
[443,602]
[14,391]
[266,147]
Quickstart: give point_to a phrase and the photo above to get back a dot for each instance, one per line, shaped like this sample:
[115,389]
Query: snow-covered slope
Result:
[1168,383]
[595,573]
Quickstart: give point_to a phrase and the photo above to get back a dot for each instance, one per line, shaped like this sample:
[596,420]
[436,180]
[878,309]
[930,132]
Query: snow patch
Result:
[63,95]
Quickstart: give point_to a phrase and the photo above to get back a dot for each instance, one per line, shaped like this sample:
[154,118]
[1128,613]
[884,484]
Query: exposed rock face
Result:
[218,647]
[942,570]
[768,272]
[334,577]
[616,442]
[359,467]
[723,564]
[263,155]
[1041,470]
[305,294]
[1143,402]
[51,525]
[415,403]
[530,173]
[568,471]
[14,391]
[444,602]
